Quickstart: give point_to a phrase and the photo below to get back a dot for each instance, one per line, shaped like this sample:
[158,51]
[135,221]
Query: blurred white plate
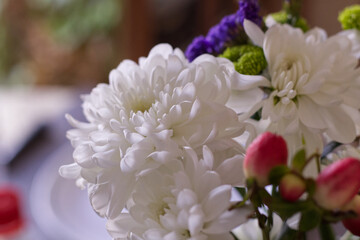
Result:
[60,209]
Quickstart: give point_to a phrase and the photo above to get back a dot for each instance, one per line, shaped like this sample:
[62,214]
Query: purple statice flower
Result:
[228,32]
[249,9]
[223,33]
[199,45]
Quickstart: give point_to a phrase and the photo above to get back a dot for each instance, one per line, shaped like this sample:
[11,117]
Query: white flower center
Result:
[288,75]
[140,99]
[158,209]
[141,105]
[186,234]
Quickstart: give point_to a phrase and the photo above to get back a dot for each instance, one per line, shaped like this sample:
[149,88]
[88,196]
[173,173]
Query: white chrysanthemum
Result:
[313,85]
[354,36]
[138,121]
[189,201]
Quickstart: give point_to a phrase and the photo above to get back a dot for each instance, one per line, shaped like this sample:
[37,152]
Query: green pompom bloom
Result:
[350,17]
[282,17]
[247,59]
[251,63]
[235,52]
[232,53]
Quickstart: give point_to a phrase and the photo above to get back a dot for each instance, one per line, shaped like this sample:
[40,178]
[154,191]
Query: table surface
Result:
[44,108]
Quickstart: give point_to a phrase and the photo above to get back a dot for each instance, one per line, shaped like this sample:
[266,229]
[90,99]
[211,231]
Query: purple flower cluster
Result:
[249,10]
[228,32]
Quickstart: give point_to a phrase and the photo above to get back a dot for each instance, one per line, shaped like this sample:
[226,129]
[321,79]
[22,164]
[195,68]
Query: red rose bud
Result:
[264,153]
[338,184]
[353,224]
[291,187]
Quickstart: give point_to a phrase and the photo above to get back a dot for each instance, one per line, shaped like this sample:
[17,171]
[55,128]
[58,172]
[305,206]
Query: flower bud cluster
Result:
[333,193]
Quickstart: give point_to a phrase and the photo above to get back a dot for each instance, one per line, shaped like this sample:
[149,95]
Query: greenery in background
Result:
[69,23]
[283,17]
[3,50]
[73,22]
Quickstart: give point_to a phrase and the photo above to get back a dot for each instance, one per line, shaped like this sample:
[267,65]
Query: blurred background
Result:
[52,51]
[77,42]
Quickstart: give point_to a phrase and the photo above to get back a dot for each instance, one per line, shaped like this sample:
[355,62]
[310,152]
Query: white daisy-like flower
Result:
[190,202]
[141,119]
[313,85]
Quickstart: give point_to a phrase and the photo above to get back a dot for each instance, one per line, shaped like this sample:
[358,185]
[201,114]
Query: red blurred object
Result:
[11,220]
[291,187]
[338,184]
[266,152]
[353,224]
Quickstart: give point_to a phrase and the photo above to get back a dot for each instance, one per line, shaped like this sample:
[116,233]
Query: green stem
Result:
[265,234]
[270,221]
[262,224]
[309,159]
[242,202]
[326,231]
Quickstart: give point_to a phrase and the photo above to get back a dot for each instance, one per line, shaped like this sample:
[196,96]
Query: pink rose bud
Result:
[338,184]
[291,187]
[264,153]
[353,224]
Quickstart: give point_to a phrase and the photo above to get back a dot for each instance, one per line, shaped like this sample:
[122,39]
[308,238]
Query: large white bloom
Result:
[141,119]
[312,82]
[188,201]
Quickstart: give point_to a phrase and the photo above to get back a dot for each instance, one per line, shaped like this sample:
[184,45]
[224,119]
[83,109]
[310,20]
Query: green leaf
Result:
[310,219]
[277,173]
[286,209]
[299,160]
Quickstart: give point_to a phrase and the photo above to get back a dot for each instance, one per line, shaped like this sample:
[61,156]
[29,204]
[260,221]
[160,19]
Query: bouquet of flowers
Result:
[253,130]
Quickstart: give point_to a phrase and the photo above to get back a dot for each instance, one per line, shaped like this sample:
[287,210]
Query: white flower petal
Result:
[186,198]
[217,201]
[121,226]
[309,113]
[196,220]
[228,220]
[341,126]
[254,32]
[71,171]
[231,170]
[245,82]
